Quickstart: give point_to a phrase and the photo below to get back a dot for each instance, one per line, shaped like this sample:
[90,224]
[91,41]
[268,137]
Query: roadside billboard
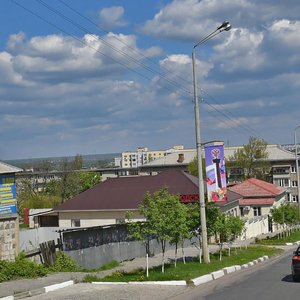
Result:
[215,173]
[8,199]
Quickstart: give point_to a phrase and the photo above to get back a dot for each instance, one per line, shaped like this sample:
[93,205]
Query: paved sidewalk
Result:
[26,287]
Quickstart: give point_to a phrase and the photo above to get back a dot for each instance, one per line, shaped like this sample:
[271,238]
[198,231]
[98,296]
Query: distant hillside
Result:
[89,161]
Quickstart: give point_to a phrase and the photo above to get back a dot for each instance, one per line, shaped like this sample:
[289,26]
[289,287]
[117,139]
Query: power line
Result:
[233,121]
[88,45]
[167,71]
[124,54]
[178,85]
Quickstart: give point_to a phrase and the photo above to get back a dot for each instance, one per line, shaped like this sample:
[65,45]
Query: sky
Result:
[93,77]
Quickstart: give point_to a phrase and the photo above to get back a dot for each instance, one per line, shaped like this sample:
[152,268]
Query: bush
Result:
[22,267]
[64,263]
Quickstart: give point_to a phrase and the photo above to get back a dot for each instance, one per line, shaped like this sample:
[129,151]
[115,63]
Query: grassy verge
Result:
[25,268]
[278,240]
[191,269]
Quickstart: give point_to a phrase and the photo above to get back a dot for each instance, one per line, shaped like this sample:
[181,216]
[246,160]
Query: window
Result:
[295,198]
[294,183]
[293,169]
[75,222]
[285,182]
[257,211]
[242,211]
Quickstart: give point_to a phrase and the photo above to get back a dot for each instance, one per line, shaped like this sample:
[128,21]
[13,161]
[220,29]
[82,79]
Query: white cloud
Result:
[56,57]
[241,50]
[112,17]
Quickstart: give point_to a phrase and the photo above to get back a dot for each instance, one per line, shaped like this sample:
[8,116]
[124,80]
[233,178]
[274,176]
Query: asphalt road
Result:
[269,280]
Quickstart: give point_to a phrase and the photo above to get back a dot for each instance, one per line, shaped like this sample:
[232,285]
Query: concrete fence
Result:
[30,239]
[255,227]
[98,256]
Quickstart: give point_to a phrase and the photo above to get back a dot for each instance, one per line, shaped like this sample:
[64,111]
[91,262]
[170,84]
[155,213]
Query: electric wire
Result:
[163,76]
[124,54]
[88,45]
[140,53]
[231,119]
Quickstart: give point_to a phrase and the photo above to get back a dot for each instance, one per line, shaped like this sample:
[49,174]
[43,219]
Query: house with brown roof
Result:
[107,202]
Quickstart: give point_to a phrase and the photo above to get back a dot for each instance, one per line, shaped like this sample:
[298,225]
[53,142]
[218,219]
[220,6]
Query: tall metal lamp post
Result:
[224,27]
[297,166]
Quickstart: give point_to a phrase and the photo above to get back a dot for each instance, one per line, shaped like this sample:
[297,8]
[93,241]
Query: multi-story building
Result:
[143,155]
[145,162]
[282,166]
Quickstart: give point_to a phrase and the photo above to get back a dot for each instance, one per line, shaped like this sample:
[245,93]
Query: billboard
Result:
[8,199]
[215,173]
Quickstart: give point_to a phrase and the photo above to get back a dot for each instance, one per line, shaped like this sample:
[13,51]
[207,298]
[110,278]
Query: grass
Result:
[111,265]
[277,240]
[191,269]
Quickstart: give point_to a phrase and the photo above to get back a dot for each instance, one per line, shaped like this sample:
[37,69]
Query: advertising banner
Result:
[215,173]
[8,200]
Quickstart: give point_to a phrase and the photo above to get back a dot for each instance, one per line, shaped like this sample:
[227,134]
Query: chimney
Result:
[180,157]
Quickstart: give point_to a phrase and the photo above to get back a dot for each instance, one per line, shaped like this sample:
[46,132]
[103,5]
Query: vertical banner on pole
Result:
[215,173]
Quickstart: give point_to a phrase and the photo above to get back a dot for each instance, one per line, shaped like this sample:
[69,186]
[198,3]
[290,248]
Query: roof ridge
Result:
[257,181]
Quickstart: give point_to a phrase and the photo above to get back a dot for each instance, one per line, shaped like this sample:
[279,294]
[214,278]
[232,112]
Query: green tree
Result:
[251,158]
[286,215]
[70,180]
[212,214]
[193,167]
[163,212]
[88,180]
[228,228]
[222,227]
[29,195]
[180,228]
[140,231]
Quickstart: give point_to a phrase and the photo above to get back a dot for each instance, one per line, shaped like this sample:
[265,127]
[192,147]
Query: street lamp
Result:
[297,166]
[224,27]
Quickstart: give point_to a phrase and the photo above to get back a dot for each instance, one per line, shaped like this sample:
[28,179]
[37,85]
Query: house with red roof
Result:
[258,198]
[107,202]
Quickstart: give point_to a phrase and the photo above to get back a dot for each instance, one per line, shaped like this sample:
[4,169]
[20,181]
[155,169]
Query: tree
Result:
[164,217]
[212,213]
[286,215]
[193,167]
[140,231]
[29,196]
[88,180]
[251,158]
[70,181]
[180,228]
[222,228]
[228,228]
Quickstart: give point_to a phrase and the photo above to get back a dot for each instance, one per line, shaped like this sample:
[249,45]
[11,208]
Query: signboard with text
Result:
[8,199]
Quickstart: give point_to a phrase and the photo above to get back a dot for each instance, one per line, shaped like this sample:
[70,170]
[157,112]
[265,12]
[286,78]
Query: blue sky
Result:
[87,77]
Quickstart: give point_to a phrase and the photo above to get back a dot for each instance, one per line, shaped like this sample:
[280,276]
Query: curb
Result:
[291,244]
[43,290]
[170,282]
[196,281]
[218,274]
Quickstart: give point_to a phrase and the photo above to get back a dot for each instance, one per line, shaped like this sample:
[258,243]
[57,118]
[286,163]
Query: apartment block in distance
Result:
[143,156]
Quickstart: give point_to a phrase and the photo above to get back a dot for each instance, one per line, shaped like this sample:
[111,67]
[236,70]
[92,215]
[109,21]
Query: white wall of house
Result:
[94,218]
